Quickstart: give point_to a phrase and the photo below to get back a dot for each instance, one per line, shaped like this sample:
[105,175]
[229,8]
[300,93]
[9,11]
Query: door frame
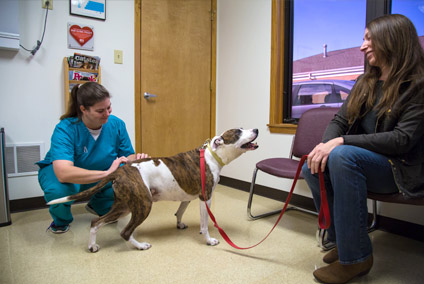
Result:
[137,71]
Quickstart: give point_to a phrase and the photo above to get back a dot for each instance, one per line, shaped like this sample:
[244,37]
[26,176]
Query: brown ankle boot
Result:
[331,256]
[337,273]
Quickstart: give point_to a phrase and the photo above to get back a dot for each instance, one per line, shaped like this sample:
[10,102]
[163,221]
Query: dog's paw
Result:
[94,248]
[143,246]
[138,245]
[212,242]
[181,226]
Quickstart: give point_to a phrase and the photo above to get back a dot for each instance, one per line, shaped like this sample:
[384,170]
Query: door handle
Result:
[148,95]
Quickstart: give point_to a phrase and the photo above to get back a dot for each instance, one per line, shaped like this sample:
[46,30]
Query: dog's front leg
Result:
[179,214]
[204,218]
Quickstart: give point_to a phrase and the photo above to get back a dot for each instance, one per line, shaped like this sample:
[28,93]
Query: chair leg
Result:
[373,225]
[302,210]
[249,203]
[322,241]
[325,245]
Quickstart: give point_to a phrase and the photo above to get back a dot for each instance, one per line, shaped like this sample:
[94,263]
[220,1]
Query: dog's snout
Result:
[256,131]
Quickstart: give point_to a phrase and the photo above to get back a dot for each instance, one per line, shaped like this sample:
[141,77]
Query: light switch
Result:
[118,57]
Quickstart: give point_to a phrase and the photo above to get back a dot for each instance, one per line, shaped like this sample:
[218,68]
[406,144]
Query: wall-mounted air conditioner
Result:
[9,24]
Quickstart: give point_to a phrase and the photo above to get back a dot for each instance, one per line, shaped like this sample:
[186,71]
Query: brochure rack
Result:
[74,76]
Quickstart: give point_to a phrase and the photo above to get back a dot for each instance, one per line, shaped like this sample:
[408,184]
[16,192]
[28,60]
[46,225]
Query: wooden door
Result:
[176,66]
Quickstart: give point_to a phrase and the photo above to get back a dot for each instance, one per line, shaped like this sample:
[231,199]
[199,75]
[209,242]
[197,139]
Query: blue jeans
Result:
[101,202]
[351,172]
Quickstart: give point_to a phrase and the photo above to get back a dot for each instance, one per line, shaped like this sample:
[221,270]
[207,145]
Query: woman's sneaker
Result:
[57,229]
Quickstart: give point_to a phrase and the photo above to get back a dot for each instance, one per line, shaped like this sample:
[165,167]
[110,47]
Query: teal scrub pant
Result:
[101,202]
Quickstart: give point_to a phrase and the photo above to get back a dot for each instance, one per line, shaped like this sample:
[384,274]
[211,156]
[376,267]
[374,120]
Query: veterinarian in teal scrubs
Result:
[87,144]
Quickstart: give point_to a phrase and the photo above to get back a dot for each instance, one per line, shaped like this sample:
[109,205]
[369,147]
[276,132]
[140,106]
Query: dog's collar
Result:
[215,155]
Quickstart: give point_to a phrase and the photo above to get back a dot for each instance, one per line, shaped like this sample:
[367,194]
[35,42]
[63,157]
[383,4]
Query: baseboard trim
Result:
[33,203]
[296,200]
[391,225]
[387,224]
[26,204]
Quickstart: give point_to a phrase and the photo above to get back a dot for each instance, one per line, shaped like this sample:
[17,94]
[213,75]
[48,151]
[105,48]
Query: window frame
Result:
[282,58]
[281,51]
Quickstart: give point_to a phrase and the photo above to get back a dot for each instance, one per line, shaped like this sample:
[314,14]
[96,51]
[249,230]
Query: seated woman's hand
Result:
[318,157]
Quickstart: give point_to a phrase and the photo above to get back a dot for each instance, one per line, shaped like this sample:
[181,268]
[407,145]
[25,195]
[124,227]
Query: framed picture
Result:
[88,8]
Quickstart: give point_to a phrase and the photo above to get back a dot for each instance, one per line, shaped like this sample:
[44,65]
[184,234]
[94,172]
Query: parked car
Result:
[319,93]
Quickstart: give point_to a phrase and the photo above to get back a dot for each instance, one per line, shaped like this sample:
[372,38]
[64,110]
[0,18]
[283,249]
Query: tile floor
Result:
[29,254]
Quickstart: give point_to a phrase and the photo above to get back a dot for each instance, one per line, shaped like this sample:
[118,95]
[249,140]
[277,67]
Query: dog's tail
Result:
[86,193]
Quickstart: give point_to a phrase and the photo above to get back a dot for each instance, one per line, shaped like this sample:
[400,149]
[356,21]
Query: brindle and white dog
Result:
[140,183]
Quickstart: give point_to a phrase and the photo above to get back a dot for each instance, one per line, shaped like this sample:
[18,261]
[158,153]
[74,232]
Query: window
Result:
[331,28]
[325,50]
[321,56]
[414,10]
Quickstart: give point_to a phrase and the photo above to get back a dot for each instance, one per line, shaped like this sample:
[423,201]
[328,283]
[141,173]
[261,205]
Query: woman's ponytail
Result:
[73,107]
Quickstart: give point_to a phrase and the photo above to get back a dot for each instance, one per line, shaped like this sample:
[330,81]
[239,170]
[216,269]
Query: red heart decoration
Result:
[81,35]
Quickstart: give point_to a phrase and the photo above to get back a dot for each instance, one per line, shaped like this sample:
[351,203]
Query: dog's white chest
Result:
[161,182]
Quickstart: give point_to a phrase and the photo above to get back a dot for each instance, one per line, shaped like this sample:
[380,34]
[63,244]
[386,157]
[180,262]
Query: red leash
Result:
[324,213]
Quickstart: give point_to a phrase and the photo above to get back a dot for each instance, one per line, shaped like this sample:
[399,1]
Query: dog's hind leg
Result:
[204,218]
[127,233]
[117,211]
[179,214]
[139,211]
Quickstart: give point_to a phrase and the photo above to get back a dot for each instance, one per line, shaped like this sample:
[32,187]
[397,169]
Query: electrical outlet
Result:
[118,56]
[44,5]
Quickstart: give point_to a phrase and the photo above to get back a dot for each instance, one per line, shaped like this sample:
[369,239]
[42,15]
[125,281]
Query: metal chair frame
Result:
[270,213]
[313,133]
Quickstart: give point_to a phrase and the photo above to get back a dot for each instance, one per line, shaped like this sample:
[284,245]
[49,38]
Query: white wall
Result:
[32,92]
[243,93]
[243,84]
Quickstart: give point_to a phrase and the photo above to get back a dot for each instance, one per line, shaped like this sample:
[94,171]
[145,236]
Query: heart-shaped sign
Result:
[81,35]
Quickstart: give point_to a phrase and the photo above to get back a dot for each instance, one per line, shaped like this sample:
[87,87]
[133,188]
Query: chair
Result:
[310,129]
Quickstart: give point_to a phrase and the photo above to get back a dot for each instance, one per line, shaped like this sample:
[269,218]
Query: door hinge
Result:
[212,13]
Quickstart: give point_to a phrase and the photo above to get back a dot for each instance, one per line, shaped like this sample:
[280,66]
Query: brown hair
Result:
[395,44]
[86,95]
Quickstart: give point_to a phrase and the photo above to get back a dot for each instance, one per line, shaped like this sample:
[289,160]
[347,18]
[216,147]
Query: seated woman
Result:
[375,143]
[87,144]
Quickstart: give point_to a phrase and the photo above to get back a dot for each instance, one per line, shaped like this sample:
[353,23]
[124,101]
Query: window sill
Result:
[284,128]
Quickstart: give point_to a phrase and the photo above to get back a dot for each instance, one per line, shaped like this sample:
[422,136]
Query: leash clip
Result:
[206,143]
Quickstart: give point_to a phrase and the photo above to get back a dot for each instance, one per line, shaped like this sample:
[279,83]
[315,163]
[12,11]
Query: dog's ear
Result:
[217,142]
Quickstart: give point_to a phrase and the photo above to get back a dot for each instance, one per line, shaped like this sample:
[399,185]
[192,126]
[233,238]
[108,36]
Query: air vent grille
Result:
[21,159]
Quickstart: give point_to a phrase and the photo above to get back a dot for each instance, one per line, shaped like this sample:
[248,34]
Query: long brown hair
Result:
[395,44]
[85,95]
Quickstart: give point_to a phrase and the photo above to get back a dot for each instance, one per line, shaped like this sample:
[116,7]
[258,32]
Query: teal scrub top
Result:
[72,141]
